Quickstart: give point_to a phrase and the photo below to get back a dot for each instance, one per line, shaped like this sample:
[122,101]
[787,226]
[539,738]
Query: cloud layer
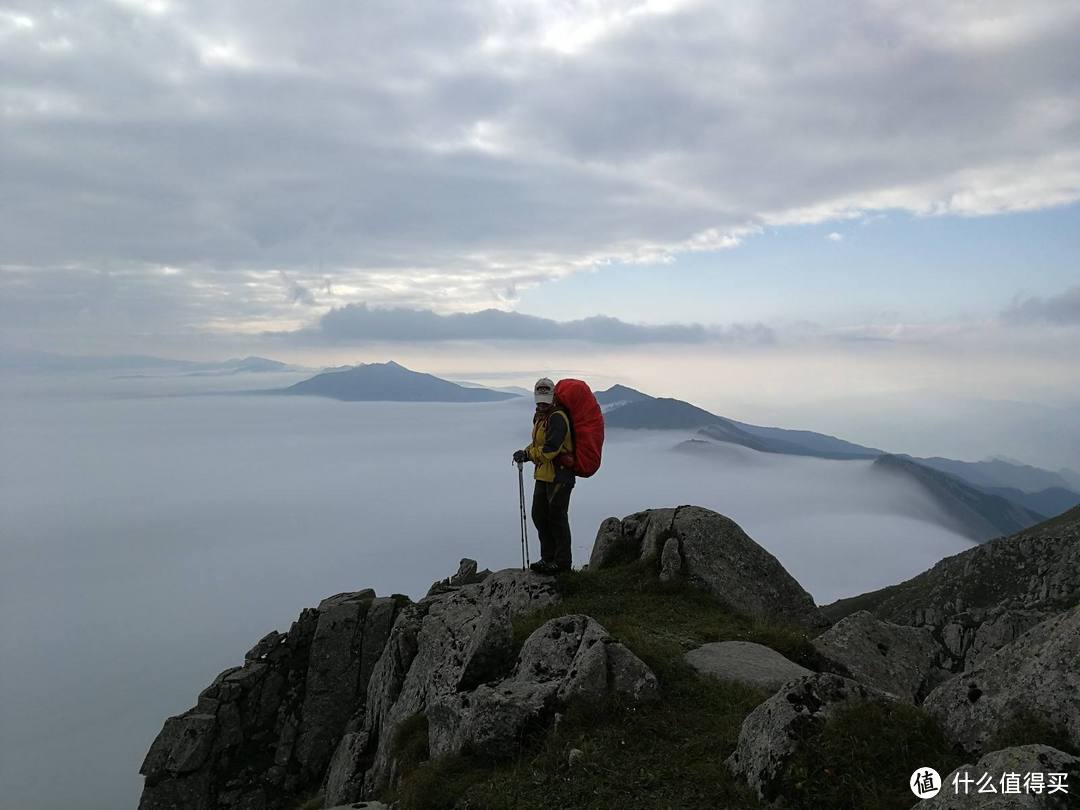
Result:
[220,518]
[1062,309]
[356,323]
[446,154]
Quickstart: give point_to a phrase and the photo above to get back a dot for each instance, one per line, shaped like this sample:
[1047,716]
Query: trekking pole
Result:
[524,522]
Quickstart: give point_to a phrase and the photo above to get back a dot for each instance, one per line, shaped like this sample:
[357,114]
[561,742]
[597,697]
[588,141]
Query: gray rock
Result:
[713,553]
[520,592]
[998,628]
[567,659]
[377,626]
[1020,760]
[491,721]
[670,560]
[491,648]
[333,678]
[771,732]
[1037,674]
[343,777]
[466,575]
[348,771]
[745,661]
[655,528]
[609,546]
[900,660]
[574,757]
[628,676]
[266,644]
[577,654]
[452,638]
[263,732]
[182,746]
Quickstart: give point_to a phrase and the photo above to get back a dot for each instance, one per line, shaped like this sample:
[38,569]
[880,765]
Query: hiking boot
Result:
[545,567]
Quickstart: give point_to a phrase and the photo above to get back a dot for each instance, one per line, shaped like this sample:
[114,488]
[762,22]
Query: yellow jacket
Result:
[550,439]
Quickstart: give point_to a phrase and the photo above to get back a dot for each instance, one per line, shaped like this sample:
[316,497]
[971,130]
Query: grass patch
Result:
[661,620]
[437,785]
[863,757]
[311,802]
[410,746]
[669,754]
[1027,728]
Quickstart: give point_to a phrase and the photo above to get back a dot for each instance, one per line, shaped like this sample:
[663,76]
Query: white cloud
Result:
[835,237]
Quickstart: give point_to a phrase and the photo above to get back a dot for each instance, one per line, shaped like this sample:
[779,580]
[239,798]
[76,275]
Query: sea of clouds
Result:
[155,527]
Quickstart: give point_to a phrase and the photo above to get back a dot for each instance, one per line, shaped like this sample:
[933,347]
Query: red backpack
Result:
[586,424]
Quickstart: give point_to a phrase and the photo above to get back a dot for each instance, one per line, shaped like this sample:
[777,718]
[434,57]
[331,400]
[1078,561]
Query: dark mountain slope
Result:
[996,473]
[970,511]
[1052,501]
[812,443]
[659,414]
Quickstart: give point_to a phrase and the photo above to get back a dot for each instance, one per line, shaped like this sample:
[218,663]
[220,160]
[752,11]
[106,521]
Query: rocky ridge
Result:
[331,692]
[318,708]
[978,600]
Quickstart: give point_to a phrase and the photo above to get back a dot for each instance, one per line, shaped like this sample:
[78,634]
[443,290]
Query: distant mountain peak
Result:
[390,382]
[619,395]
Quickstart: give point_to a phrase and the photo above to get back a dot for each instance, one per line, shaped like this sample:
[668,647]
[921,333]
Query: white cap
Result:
[544,391]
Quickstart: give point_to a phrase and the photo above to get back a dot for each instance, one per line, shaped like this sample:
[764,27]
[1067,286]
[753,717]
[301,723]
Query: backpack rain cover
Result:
[586,424]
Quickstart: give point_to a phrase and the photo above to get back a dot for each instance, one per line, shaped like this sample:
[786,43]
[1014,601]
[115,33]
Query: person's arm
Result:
[553,439]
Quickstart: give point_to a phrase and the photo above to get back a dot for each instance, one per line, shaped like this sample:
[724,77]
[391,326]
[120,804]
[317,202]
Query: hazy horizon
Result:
[918,422]
[861,219]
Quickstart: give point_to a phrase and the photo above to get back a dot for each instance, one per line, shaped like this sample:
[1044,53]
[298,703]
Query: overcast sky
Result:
[307,181]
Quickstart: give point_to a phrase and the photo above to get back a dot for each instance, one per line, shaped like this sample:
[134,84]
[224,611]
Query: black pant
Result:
[550,505]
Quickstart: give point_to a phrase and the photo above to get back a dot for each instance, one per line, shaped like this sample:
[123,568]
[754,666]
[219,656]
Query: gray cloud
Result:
[1061,309]
[449,155]
[361,323]
[297,292]
[480,138]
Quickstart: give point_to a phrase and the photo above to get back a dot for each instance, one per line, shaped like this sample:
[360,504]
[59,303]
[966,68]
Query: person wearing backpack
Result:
[551,450]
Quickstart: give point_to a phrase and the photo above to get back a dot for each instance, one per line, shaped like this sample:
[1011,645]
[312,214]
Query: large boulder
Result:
[1009,769]
[1037,674]
[745,661]
[903,661]
[709,551]
[263,732]
[771,733]
[570,658]
[449,641]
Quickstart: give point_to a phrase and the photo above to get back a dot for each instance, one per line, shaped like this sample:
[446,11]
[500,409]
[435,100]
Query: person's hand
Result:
[520,456]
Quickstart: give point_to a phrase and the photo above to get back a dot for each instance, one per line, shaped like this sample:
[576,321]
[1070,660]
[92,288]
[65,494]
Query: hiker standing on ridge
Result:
[552,446]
